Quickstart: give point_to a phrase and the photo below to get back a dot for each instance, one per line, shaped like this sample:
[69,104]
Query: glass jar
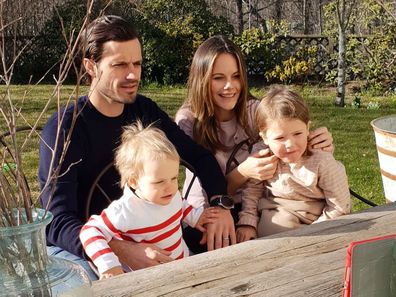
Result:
[26,269]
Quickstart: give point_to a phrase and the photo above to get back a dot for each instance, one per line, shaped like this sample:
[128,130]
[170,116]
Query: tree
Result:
[278,10]
[344,11]
[239,12]
[171,30]
[387,9]
[305,16]
[379,49]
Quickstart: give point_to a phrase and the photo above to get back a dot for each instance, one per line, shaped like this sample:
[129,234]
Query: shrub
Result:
[170,31]
[257,49]
[370,57]
[298,66]
[273,57]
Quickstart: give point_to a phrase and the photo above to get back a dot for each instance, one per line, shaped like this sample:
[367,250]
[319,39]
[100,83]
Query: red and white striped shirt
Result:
[134,219]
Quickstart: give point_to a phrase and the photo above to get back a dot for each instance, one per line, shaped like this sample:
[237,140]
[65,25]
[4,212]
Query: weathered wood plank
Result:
[305,262]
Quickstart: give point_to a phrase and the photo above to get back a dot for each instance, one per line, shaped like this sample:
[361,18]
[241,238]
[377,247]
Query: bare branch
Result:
[386,9]
[14,189]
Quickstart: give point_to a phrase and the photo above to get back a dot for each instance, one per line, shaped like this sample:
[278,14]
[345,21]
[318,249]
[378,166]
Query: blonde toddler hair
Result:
[139,144]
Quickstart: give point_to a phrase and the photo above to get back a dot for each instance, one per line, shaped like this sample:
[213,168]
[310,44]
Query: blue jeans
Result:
[62,254]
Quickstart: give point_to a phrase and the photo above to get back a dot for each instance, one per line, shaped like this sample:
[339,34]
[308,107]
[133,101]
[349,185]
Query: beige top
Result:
[230,134]
[315,189]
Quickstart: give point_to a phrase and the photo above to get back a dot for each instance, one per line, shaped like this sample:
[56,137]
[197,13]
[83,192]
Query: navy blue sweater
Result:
[94,139]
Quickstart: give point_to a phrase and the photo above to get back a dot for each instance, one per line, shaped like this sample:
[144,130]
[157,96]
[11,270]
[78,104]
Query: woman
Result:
[219,114]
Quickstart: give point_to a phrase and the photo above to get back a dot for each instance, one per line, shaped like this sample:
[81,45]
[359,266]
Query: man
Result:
[112,57]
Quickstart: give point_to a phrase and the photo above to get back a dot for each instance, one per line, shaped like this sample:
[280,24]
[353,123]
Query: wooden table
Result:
[305,262]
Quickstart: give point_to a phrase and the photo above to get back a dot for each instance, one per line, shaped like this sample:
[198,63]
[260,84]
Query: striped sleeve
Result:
[95,235]
[191,214]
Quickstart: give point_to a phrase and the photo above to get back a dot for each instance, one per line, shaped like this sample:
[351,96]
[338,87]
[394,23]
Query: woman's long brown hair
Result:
[199,96]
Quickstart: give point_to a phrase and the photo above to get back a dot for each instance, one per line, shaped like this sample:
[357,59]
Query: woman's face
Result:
[225,86]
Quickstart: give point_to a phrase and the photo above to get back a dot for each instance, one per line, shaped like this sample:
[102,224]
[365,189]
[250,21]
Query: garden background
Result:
[289,42]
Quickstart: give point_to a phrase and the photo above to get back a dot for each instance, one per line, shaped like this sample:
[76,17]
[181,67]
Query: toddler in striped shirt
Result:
[151,209]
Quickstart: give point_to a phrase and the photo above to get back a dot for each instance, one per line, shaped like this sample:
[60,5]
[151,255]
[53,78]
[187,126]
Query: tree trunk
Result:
[278,11]
[239,15]
[320,16]
[340,97]
[305,16]
[263,26]
[344,11]
[260,21]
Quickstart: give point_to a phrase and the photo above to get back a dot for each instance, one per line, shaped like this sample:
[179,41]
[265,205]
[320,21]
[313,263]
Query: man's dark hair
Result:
[103,29]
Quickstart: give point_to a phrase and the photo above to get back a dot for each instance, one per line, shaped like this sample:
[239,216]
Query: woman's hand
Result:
[220,233]
[260,165]
[321,138]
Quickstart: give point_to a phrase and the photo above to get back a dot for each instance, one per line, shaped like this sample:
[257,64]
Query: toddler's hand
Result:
[245,233]
[209,215]
[111,272]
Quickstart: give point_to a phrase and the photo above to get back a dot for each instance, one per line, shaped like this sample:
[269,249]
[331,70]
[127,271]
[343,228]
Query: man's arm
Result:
[64,229]
[139,255]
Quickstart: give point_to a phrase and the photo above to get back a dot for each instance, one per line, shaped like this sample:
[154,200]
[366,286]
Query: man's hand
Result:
[245,233]
[139,255]
[221,233]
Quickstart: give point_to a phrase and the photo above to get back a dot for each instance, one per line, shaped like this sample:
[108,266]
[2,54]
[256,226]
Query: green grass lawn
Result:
[353,135]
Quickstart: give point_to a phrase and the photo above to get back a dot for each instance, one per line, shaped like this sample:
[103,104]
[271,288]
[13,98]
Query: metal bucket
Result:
[385,137]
